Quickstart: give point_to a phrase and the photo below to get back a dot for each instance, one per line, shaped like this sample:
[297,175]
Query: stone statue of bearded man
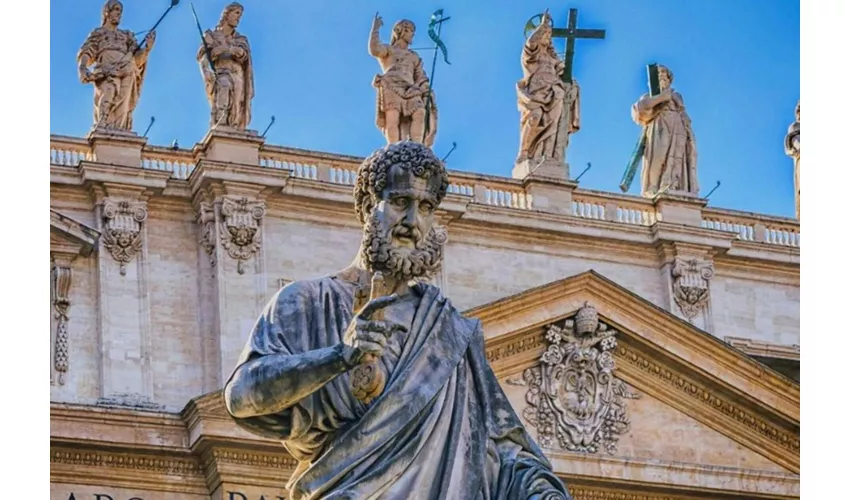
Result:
[438,426]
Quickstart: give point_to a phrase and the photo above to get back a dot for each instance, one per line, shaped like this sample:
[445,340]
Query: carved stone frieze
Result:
[690,284]
[574,400]
[151,463]
[61,278]
[122,234]
[240,228]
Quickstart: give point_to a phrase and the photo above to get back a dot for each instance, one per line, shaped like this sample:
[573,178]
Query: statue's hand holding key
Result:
[367,335]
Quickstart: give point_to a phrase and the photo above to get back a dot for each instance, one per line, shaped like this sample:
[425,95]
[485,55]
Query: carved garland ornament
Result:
[573,395]
[240,228]
[61,307]
[690,284]
[122,235]
[206,219]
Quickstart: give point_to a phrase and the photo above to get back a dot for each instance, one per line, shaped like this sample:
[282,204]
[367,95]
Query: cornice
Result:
[654,373]
[97,173]
[210,172]
[150,430]
[283,188]
[79,235]
[663,356]
[708,402]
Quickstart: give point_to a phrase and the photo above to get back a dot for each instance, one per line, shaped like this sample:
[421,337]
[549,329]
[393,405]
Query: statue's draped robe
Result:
[112,51]
[670,156]
[442,429]
[541,92]
[231,76]
[792,149]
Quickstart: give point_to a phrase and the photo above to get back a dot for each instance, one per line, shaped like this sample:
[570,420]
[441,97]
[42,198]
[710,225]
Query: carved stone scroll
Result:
[240,228]
[690,284]
[122,234]
[574,400]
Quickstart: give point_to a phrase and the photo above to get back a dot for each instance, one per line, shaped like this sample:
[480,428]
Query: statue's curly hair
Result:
[372,174]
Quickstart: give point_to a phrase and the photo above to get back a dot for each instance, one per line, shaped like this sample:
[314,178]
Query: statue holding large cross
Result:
[548,95]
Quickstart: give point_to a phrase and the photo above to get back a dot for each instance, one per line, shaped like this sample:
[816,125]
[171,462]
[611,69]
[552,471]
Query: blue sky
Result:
[736,62]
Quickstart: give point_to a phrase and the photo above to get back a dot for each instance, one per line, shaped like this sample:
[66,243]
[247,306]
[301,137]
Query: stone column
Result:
[123,295]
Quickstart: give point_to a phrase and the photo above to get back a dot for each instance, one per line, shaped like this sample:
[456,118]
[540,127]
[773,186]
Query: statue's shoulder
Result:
[468,322]
[304,289]
[96,33]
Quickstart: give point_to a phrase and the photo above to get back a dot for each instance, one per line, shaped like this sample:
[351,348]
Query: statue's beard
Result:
[404,264]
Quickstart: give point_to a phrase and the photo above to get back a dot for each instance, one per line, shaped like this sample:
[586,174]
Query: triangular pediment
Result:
[71,236]
[744,411]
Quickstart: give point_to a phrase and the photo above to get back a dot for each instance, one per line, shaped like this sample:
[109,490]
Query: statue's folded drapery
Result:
[443,428]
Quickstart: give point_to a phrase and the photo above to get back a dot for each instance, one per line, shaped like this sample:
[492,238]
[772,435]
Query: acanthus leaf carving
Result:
[574,399]
[240,228]
[122,235]
[61,308]
[690,284]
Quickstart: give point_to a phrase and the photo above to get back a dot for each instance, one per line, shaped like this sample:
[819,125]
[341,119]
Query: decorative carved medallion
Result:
[122,235]
[690,284]
[574,400]
[240,228]
[61,306]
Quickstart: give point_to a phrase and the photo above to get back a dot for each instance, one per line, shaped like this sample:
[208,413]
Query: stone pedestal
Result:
[547,184]
[548,168]
[117,147]
[676,208]
[229,145]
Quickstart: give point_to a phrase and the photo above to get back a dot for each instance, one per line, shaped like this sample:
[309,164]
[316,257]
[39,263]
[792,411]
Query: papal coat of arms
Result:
[574,400]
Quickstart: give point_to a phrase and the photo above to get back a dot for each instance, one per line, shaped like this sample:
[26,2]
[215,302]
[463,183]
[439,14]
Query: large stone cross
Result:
[570,33]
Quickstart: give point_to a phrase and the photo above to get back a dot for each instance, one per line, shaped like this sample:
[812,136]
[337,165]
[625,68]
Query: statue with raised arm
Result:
[670,153]
[403,87]
[549,107]
[114,63]
[792,149]
[372,379]
[229,81]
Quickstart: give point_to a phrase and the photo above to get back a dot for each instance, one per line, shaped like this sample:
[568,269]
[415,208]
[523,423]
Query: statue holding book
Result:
[667,146]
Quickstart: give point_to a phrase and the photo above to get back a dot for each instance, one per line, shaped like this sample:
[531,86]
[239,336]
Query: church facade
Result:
[162,259]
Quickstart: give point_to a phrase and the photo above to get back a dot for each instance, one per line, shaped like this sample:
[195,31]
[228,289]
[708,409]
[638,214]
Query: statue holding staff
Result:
[225,61]
[112,60]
